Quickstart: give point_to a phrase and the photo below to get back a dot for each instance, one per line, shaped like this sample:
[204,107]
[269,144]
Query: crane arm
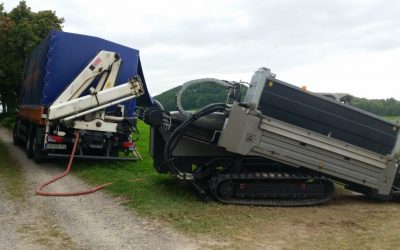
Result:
[105,64]
[97,100]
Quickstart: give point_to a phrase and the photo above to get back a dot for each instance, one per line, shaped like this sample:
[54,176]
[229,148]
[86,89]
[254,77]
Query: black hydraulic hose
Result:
[178,133]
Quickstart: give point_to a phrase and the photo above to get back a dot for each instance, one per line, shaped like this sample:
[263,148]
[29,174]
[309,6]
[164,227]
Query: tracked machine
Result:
[280,146]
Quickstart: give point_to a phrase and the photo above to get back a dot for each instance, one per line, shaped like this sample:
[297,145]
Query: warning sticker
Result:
[95,63]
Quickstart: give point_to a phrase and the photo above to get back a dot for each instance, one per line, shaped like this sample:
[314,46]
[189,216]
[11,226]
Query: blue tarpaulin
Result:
[61,56]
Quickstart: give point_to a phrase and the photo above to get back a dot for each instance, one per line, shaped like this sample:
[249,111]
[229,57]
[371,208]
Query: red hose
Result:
[55,178]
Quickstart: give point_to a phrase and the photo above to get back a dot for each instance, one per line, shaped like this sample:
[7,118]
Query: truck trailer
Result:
[79,83]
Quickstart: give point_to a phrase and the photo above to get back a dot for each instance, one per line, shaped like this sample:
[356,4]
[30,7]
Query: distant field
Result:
[393,118]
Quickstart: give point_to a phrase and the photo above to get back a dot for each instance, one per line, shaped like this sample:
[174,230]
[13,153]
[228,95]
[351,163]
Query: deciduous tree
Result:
[20,32]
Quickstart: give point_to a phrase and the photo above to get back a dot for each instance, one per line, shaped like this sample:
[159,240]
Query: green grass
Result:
[10,174]
[162,197]
[151,194]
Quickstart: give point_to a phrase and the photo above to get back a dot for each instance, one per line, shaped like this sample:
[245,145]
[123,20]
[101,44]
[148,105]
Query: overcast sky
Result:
[350,46]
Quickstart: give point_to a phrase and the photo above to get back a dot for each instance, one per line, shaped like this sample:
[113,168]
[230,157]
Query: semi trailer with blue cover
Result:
[63,69]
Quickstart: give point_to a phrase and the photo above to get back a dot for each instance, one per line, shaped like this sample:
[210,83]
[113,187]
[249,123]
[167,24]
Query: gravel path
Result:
[95,221]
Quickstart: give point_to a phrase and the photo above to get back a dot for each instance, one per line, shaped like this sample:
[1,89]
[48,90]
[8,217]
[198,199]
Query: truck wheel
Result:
[39,155]
[17,141]
[28,146]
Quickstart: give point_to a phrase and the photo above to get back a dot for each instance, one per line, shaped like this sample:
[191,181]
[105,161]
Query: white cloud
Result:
[367,74]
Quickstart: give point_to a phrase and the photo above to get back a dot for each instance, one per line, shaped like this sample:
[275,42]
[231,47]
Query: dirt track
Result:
[95,221]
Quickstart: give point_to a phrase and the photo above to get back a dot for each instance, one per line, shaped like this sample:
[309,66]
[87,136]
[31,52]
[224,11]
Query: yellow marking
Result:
[270,84]
[108,85]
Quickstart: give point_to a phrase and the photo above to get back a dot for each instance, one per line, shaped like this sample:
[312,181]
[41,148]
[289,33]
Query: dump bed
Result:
[60,57]
[287,124]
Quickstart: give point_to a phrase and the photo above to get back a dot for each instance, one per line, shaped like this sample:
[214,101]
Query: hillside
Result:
[198,96]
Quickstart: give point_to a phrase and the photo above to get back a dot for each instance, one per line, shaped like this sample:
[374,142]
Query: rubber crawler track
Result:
[273,202]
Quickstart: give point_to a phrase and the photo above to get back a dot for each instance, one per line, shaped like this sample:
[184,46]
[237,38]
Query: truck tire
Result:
[39,155]
[16,140]
[29,139]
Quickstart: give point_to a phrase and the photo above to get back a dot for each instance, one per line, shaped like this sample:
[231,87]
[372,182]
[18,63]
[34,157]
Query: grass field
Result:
[348,222]
[149,193]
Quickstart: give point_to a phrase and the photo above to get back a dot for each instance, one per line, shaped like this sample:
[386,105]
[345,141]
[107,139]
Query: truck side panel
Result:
[31,92]
[298,147]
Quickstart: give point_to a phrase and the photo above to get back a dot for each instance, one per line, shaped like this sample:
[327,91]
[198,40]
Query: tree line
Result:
[21,30]
[382,107]
[196,96]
